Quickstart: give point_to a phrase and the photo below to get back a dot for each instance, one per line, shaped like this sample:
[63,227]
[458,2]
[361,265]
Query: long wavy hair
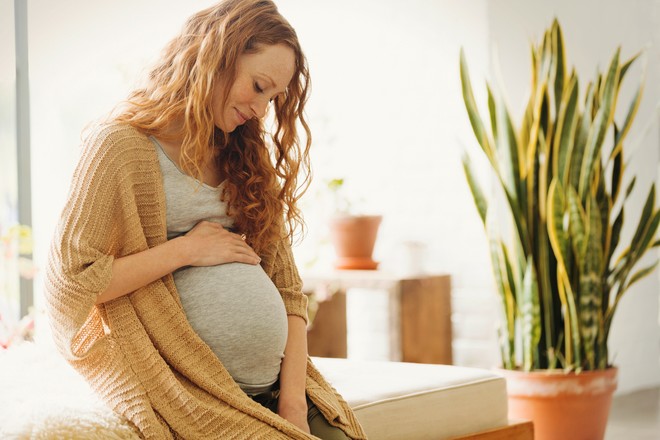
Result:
[263,179]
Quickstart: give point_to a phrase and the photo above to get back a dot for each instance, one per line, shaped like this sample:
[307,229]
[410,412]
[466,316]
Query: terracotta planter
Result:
[562,406]
[353,238]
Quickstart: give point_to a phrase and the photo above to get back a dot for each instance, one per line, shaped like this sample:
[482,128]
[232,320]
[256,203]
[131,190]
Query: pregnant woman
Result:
[171,285]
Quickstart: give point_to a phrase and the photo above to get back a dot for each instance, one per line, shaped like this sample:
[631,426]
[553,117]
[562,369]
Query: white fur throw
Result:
[42,397]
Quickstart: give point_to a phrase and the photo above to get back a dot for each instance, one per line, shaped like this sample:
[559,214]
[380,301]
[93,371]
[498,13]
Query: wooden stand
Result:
[420,314]
[515,430]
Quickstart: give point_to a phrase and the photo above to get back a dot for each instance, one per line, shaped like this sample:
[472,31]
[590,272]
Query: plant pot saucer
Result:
[355,263]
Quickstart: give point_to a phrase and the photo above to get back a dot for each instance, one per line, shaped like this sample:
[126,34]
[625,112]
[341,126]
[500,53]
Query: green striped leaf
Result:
[507,331]
[600,124]
[473,113]
[557,230]
[560,63]
[530,311]
[577,224]
[644,222]
[617,175]
[641,274]
[590,284]
[508,154]
[630,116]
[625,66]
[492,111]
[565,134]
[475,188]
[580,142]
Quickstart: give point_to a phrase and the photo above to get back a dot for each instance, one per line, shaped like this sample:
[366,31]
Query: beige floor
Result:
[635,416]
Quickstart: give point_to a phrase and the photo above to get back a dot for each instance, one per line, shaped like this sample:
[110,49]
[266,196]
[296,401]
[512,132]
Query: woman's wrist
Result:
[181,251]
[293,400]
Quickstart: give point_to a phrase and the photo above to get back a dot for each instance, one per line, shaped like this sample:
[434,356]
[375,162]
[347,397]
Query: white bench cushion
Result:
[397,400]
[42,397]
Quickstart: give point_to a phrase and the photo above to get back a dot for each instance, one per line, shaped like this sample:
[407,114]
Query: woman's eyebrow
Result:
[272,83]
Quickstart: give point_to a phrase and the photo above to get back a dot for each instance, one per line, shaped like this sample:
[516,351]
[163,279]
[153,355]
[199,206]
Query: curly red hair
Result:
[264,181]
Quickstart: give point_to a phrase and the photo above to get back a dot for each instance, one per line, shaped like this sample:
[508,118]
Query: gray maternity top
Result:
[235,308]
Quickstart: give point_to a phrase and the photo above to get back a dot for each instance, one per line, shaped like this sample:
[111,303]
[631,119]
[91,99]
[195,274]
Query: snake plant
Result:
[561,173]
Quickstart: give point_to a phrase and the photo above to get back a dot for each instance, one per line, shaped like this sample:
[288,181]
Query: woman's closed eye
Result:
[260,90]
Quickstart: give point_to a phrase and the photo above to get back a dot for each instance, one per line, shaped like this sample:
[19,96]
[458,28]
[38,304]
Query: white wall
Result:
[592,31]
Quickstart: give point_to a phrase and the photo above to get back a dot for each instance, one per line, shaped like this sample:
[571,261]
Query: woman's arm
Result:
[207,244]
[292,404]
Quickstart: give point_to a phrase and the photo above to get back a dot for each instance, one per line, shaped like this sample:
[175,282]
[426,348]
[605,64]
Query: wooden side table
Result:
[419,314]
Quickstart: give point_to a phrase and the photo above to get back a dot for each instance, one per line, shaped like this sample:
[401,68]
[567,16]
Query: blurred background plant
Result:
[15,262]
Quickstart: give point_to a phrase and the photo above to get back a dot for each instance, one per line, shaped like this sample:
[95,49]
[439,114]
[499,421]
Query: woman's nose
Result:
[259,107]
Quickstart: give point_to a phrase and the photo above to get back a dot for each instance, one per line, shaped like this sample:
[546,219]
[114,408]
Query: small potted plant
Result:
[565,267]
[353,235]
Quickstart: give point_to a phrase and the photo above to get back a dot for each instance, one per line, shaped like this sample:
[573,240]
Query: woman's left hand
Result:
[296,414]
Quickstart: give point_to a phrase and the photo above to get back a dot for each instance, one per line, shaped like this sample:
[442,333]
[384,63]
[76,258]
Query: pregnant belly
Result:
[237,310]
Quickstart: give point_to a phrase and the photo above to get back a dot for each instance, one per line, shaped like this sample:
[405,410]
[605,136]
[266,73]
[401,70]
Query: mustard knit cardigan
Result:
[138,352]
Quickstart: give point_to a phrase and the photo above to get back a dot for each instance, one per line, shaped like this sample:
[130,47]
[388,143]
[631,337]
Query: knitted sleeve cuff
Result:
[295,304]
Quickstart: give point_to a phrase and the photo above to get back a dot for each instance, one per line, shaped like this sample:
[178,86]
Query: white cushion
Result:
[42,397]
[397,400]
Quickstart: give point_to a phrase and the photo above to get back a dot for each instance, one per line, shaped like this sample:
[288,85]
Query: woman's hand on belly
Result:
[209,244]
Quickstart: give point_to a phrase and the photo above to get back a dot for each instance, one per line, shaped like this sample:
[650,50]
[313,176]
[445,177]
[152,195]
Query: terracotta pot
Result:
[353,238]
[562,406]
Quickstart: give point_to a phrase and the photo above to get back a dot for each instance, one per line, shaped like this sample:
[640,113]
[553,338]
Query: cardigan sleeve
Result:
[80,261]
[281,267]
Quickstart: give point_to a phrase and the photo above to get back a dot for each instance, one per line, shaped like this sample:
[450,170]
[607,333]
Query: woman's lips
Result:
[241,117]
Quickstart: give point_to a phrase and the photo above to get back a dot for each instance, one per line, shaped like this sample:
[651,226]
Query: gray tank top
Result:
[235,308]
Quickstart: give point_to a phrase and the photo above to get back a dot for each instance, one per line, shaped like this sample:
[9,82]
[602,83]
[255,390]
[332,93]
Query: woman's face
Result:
[259,78]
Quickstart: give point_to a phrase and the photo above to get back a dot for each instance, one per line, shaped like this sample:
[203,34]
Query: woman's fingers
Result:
[215,245]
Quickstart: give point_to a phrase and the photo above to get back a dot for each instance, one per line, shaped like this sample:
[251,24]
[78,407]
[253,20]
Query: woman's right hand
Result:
[210,244]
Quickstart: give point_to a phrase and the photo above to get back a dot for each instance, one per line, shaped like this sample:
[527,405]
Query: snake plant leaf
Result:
[646,230]
[577,224]
[602,120]
[641,274]
[546,115]
[630,187]
[648,237]
[590,283]
[530,311]
[473,113]
[617,175]
[527,123]
[492,110]
[604,203]
[511,276]
[630,116]
[573,345]
[475,188]
[560,66]
[645,220]
[580,142]
[542,163]
[630,257]
[508,152]
[507,299]
[617,226]
[557,233]
[625,66]
[566,127]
